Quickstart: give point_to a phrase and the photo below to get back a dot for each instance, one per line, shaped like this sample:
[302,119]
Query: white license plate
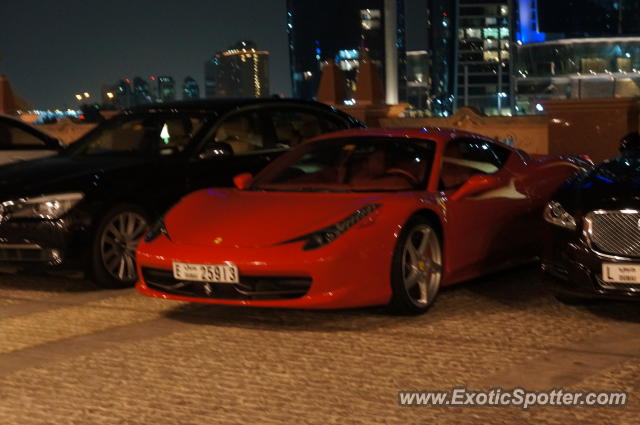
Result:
[215,273]
[621,273]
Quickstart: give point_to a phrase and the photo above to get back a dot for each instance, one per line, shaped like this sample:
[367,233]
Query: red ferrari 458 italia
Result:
[356,218]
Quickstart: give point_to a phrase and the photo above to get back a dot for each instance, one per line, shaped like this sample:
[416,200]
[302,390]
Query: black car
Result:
[90,205]
[21,142]
[593,242]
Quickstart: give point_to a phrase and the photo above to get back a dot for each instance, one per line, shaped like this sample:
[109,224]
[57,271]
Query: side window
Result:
[157,135]
[14,137]
[465,157]
[241,132]
[176,134]
[294,126]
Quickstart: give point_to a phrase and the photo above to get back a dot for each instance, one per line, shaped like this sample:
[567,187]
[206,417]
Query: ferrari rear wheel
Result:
[417,268]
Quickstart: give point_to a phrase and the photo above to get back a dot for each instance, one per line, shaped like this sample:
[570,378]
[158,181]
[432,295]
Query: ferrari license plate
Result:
[621,273]
[215,273]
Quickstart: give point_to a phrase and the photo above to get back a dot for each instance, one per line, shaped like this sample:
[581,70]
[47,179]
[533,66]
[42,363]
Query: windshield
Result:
[351,165]
[150,135]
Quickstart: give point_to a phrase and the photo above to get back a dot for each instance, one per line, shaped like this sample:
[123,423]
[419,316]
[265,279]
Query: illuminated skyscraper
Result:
[141,92]
[417,79]
[190,89]
[485,47]
[340,30]
[240,71]
[166,88]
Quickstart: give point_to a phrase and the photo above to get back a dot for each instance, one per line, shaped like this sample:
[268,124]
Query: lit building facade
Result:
[342,31]
[592,51]
[166,88]
[141,91]
[190,89]
[578,68]
[122,94]
[441,39]
[484,52]
[418,79]
[470,44]
[240,71]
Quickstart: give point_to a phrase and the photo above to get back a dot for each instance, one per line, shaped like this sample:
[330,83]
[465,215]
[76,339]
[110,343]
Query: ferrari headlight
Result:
[328,234]
[555,213]
[45,207]
[156,230]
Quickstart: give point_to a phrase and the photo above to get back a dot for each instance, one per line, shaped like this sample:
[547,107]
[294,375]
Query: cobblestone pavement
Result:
[73,354]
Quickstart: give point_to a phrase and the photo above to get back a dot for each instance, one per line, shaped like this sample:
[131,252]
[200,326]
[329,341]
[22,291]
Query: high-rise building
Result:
[210,71]
[341,31]
[592,51]
[471,44]
[166,88]
[441,39]
[418,79]
[141,91]
[502,56]
[240,71]
[485,44]
[123,95]
[190,89]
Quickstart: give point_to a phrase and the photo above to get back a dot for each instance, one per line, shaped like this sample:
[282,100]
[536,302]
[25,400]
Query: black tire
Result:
[111,240]
[408,297]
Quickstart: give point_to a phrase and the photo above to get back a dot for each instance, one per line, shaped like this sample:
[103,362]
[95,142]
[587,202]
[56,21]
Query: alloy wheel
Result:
[118,244]
[422,265]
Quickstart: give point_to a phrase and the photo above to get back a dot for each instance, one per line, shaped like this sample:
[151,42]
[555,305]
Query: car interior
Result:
[240,134]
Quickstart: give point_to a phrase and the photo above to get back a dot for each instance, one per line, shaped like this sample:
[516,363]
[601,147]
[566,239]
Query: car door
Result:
[167,139]
[485,227]
[18,142]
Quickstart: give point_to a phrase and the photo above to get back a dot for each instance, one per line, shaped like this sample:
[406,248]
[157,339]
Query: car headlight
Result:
[45,207]
[157,230]
[555,213]
[328,234]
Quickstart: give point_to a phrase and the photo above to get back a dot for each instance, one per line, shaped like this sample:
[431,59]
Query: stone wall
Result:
[590,126]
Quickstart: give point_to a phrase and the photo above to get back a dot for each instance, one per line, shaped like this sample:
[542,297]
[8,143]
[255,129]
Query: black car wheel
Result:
[416,269]
[114,246]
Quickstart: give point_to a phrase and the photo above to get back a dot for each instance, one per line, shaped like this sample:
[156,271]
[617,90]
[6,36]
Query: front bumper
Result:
[574,268]
[334,276]
[42,242]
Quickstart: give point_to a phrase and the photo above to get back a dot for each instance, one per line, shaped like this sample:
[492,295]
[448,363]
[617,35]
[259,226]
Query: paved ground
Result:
[73,354]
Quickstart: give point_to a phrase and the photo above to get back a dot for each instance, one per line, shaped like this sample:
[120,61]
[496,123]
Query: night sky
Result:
[51,50]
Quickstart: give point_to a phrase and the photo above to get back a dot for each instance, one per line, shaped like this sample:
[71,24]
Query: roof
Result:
[437,134]
[224,103]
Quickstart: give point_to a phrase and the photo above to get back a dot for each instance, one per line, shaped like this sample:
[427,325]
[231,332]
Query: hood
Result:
[244,218]
[57,174]
[614,184]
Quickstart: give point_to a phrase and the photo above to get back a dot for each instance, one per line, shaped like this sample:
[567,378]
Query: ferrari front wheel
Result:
[416,270]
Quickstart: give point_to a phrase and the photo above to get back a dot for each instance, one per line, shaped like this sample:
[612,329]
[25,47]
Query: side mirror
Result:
[242,181]
[213,149]
[477,184]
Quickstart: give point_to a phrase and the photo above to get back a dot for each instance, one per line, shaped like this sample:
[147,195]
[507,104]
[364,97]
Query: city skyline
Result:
[51,51]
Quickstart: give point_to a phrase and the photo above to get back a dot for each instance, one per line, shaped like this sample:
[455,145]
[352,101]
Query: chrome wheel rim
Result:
[422,265]
[118,244]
